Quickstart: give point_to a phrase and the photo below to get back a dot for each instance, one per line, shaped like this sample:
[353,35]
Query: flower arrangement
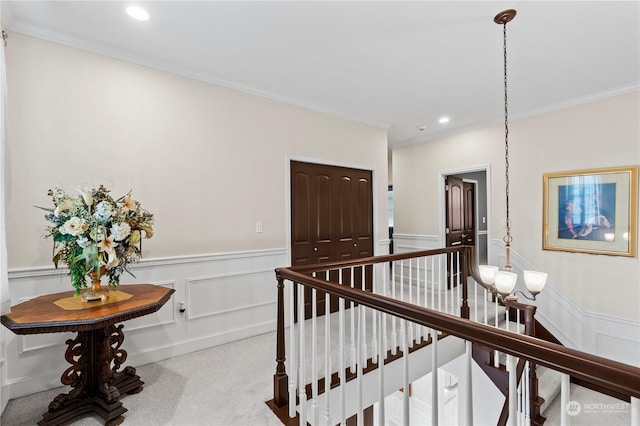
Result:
[93,233]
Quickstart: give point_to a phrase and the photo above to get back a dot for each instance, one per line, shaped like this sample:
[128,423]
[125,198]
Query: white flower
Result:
[104,210]
[83,241]
[74,226]
[112,261]
[86,196]
[67,204]
[120,231]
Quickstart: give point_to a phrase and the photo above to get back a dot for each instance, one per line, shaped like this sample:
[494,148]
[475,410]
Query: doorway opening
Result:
[466,210]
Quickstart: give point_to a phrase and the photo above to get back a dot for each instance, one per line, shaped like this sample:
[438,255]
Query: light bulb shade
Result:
[535,281]
[488,273]
[505,282]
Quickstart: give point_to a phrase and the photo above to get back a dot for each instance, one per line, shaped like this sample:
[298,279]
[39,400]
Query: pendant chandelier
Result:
[504,281]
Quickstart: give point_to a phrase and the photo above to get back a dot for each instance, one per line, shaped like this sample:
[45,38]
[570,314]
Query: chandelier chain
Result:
[507,238]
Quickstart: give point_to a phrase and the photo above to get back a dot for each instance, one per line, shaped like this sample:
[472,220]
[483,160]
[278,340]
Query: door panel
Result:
[455,211]
[469,234]
[460,219]
[332,219]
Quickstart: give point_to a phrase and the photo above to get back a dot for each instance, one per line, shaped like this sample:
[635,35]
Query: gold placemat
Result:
[74,303]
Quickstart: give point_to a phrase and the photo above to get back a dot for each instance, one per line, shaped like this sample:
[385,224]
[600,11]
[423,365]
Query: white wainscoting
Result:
[227,297]
[404,243]
[610,337]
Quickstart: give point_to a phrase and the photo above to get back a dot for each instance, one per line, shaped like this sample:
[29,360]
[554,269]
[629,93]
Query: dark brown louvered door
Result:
[331,219]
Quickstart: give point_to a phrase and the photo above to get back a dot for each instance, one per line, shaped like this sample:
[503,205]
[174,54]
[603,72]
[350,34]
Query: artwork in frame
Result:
[591,211]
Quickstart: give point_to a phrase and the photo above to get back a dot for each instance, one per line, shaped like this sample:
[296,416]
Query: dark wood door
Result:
[331,219]
[455,225]
[460,219]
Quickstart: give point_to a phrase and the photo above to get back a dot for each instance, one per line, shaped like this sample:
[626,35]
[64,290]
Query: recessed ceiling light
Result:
[138,13]
[443,120]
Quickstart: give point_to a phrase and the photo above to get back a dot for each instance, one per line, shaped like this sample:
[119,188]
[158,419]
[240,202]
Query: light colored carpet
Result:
[590,408]
[224,385]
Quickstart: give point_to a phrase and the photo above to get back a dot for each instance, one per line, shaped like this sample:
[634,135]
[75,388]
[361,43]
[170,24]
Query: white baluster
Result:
[410,332]
[302,375]
[405,373]
[365,350]
[458,285]
[341,362]
[440,282]
[433,282]
[352,365]
[486,306]
[565,398]
[374,317]
[327,360]
[402,279]
[314,358]
[435,419]
[426,294]
[527,396]
[496,358]
[383,322]
[635,411]
[475,301]
[360,412]
[293,347]
[513,385]
[381,395]
[465,404]
[394,336]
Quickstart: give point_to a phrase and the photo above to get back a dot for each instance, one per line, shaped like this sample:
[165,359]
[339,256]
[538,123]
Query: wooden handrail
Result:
[600,371]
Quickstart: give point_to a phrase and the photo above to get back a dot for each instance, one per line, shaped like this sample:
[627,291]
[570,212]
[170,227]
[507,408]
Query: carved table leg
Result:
[96,385]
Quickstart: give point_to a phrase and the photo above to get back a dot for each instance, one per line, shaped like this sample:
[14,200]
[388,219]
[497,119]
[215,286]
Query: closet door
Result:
[331,219]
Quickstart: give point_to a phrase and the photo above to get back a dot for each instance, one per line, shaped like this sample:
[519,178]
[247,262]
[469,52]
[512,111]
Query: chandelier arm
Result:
[525,295]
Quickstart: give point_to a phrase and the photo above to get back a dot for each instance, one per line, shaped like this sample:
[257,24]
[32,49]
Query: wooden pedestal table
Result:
[95,354]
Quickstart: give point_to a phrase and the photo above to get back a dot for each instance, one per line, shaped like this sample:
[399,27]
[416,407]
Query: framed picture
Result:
[591,211]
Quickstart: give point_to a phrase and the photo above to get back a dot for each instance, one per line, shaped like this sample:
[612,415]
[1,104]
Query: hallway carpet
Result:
[222,386]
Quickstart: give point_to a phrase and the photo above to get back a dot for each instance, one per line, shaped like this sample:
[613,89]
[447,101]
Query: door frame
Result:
[443,208]
[374,195]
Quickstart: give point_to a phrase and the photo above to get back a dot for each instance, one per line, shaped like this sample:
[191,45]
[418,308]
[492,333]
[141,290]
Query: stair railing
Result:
[393,276]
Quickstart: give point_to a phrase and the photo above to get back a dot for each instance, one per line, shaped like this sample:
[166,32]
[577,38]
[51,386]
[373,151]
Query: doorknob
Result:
[355,245]
[315,249]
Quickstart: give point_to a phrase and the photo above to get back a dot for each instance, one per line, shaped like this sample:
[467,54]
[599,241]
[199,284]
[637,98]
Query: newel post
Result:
[467,256]
[280,378]
[534,399]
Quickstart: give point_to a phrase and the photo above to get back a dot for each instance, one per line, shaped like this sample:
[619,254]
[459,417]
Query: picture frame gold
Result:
[591,211]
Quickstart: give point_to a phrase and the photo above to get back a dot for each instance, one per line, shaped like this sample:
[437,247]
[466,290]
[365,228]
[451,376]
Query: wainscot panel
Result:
[227,297]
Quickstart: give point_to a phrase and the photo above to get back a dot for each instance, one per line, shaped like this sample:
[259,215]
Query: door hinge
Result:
[446,230]
[446,187]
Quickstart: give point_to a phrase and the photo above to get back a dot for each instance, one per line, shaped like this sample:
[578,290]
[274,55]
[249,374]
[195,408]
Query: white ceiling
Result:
[400,65]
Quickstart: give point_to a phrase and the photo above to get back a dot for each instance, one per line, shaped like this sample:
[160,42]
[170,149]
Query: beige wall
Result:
[603,133]
[208,161]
